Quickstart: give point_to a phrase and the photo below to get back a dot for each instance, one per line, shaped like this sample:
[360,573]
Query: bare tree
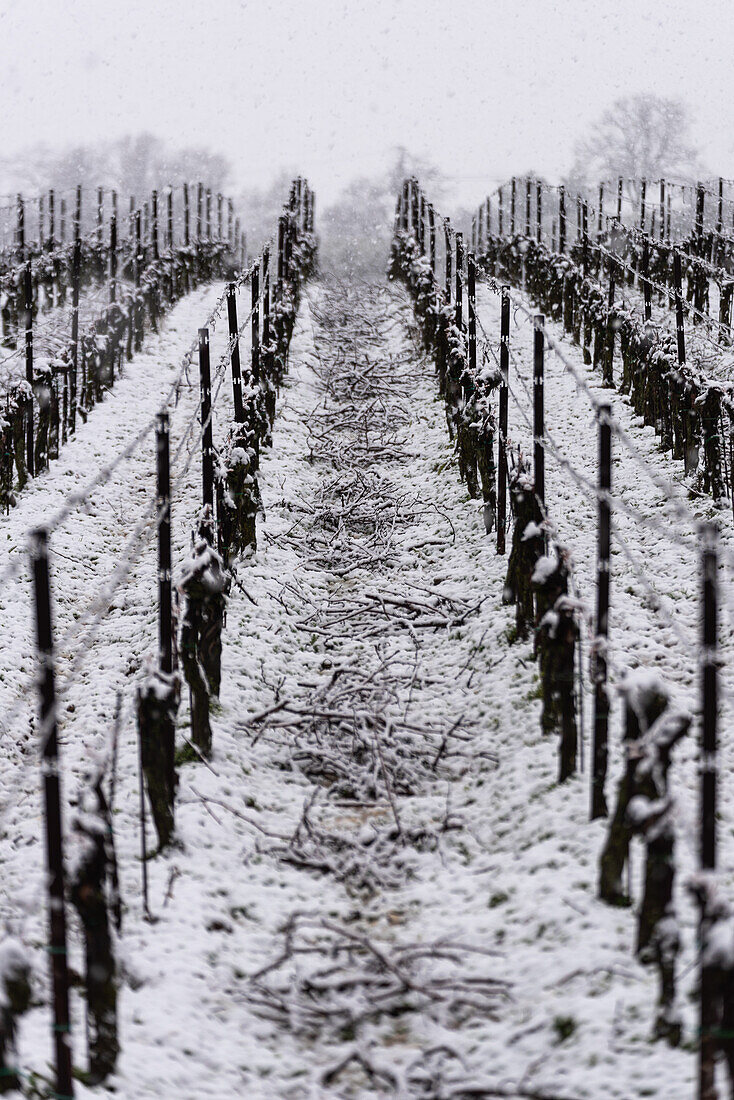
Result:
[638,136]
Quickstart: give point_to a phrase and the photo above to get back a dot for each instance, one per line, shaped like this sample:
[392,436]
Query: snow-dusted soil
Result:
[375,596]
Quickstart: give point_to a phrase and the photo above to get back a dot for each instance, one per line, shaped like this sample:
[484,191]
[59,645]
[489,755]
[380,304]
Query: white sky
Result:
[482,88]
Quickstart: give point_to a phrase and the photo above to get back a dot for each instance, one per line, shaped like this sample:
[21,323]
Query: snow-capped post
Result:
[187,216]
[488,219]
[528,187]
[620,189]
[601,626]
[265,350]
[143,827]
[561,219]
[219,215]
[720,208]
[422,225]
[513,206]
[100,215]
[199,210]
[680,331]
[20,227]
[499,211]
[600,212]
[643,194]
[281,261]
[474,234]
[471,298]
[52,811]
[538,409]
[207,439]
[230,223]
[62,220]
[404,208]
[239,409]
[208,213]
[154,223]
[76,267]
[585,238]
[414,206]
[708,770]
[113,259]
[502,438]
[539,211]
[459,296]
[255,323]
[28,327]
[662,209]
[646,285]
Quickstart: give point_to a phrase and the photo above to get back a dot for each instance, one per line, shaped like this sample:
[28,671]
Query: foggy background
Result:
[354,94]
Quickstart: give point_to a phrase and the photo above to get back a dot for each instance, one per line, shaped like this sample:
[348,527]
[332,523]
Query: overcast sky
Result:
[482,88]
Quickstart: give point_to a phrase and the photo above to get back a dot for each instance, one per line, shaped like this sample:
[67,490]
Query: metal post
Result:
[432,237]
[459,303]
[154,224]
[447,241]
[646,285]
[513,199]
[471,297]
[163,475]
[562,219]
[76,266]
[527,206]
[21,228]
[643,193]
[601,631]
[679,326]
[113,258]
[620,189]
[539,210]
[52,812]
[187,216]
[100,214]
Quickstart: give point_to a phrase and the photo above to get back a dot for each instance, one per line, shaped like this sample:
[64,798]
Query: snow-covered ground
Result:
[374,579]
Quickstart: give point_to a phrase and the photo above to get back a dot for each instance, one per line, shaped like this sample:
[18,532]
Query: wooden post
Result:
[113,258]
[28,319]
[266,294]
[720,209]
[471,298]
[163,474]
[679,326]
[422,225]
[646,286]
[620,189]
[447,241]
[405,208]
[502,439]
[667,216]
[239,409]
[643,193]
[608,368]
[20,231]
[100,214]
[488,220]
[700,201]
[52,812]
[207,438]
[662,209]
[255,322]
[601,632]
[527,206]
[562,219]
[708,767]
[76,267]
[459,303]
[538,410]
[154,224]
[51,219]
[41,224]
[219,215]
[432,237]
[199,204]
[230,222]
[187,216]
[208,213]
[585,237]
[513,199]
[499,212]
[600,212]
[169,218]
[539,210]
[62,221]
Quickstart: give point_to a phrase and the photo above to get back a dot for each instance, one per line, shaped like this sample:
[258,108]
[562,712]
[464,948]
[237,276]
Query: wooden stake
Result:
[502,441]
[207,438]
[601,700]
[538,409]
[52,813]
[239,408]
